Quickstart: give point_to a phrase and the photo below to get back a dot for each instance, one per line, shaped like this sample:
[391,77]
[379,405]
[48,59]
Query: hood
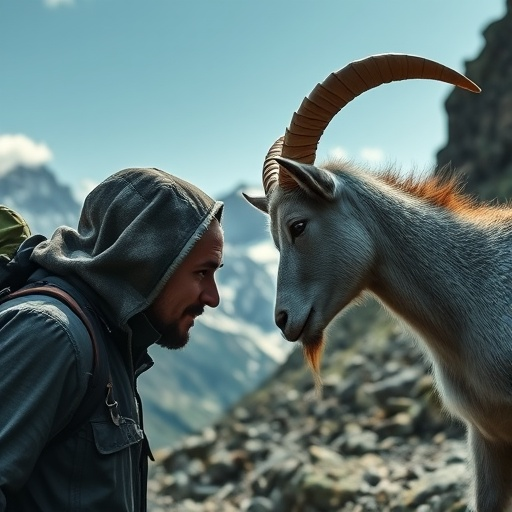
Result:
[135,229]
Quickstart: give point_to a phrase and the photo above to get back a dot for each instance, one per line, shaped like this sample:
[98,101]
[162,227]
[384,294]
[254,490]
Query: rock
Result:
[398,385]
[480,126]
[360,443]
[440,482]
[257,504]
[197,447]
[323,492]
[399,425]
[223,466]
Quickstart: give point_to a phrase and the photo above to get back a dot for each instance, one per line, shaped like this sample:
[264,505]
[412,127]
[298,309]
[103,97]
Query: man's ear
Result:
[258,202]
[311,179]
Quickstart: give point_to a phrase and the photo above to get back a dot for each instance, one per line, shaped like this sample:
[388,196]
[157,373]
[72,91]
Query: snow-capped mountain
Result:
[36,194]
[232,349]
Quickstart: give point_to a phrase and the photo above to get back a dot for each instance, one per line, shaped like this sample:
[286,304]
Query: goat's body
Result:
[440,262]
[449,275]
[436,259]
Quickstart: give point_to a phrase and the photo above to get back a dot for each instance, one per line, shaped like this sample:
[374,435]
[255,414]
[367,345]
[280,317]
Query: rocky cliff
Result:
[377,440]
[479,142]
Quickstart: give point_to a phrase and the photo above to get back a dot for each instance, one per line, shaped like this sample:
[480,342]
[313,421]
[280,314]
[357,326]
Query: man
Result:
[144,258]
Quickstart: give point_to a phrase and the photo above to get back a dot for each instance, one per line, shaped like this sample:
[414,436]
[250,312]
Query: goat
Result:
[439,260]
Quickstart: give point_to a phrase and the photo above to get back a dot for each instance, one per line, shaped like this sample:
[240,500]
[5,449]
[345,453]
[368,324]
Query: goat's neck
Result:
[432,268]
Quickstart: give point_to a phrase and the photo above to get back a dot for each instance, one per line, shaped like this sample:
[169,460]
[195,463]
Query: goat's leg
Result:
[492,466]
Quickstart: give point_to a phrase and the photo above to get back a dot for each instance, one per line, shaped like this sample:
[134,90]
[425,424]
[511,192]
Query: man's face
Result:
[189,289]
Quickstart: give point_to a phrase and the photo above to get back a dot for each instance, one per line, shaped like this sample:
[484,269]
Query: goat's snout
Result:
[281,319]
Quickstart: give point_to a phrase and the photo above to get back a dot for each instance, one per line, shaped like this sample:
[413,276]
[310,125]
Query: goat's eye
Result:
[297,228]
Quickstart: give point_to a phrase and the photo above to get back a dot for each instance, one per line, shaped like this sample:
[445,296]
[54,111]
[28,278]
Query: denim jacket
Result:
[46,358]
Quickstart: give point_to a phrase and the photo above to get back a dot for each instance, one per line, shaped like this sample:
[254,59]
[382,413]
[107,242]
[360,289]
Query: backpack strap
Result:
[100,385]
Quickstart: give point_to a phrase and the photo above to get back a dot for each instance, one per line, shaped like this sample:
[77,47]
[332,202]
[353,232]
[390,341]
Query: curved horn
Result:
[330,96]
[271,167]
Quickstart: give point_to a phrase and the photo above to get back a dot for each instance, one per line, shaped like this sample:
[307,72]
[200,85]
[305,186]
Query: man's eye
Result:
[297,228]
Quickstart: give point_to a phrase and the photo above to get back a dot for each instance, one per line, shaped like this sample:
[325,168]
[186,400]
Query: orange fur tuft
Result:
[437,190]
[313,354]
[447,192]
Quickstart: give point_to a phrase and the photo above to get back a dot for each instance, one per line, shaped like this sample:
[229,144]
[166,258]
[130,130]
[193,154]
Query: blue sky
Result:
[202,88]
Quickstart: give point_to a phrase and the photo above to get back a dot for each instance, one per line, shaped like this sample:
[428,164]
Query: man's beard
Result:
[171,335]
[172,338]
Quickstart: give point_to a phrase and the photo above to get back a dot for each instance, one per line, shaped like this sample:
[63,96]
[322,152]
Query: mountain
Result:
[43,201]
[377,438]
[232,349]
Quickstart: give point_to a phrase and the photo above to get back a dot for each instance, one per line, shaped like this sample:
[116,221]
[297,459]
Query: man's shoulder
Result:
[48,321]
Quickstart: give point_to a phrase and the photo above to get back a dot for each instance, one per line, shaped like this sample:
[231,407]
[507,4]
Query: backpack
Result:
[16,246]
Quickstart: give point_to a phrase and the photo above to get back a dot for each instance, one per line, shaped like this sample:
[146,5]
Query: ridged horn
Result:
[339,88]
[271,167]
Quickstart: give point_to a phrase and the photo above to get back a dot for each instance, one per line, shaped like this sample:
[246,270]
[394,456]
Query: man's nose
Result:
[211,295]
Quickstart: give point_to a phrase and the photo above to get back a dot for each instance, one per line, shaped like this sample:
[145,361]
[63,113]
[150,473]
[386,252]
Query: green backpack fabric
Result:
[13,231]
[16,246]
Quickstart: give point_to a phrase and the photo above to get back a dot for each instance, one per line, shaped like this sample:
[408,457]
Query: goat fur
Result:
[436,258]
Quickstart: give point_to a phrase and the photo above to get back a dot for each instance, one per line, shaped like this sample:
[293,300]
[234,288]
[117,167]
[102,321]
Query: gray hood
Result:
[136,227]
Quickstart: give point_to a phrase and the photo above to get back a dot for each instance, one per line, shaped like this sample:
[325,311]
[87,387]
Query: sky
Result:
[202,88]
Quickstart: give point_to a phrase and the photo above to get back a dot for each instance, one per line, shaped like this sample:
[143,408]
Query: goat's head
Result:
[309,207]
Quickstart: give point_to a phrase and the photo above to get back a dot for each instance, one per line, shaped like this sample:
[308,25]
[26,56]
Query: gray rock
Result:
[257,504]
[445,479]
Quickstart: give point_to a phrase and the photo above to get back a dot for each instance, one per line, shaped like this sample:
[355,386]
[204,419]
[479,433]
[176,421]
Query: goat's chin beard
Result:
[313,349]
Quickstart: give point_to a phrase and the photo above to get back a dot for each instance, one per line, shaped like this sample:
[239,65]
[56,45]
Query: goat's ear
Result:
[311,179]
[258,202]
